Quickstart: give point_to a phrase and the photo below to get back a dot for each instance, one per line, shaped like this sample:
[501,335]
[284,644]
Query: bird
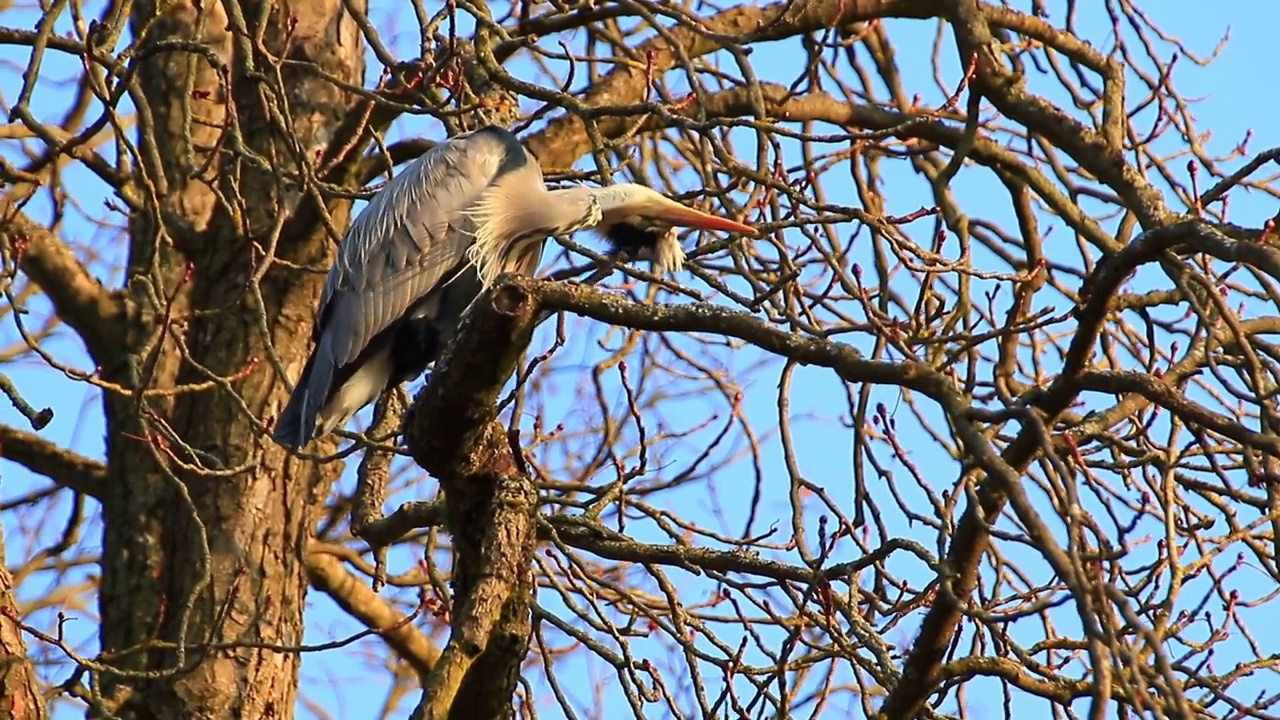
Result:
[439,233]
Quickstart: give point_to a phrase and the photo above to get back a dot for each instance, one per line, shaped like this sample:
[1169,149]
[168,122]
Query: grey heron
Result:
[434,237]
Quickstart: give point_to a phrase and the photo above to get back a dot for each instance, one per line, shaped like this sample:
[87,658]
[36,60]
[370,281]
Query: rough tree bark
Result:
[162,586]
[20,697]
[490,502]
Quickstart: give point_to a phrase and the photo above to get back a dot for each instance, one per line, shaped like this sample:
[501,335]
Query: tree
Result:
[1059,404]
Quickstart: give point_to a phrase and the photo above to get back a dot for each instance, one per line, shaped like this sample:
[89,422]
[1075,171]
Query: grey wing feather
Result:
[406,239]
[411,233]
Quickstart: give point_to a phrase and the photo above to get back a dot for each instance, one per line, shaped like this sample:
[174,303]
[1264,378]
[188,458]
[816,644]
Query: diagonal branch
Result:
[326,574]
[1101,153]
[64,467]
[78,298]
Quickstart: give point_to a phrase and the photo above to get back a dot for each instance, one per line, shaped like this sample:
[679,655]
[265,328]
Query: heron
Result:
[430,241]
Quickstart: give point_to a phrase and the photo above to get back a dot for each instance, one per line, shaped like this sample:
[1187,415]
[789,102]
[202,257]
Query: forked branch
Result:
[490,508]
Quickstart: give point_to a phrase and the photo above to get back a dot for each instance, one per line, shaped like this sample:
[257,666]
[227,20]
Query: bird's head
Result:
[640,223]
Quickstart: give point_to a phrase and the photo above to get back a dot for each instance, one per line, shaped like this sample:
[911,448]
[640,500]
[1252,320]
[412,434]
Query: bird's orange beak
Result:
[683,216]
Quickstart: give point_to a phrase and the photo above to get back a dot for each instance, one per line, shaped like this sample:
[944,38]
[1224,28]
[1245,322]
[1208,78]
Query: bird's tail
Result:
[297,422]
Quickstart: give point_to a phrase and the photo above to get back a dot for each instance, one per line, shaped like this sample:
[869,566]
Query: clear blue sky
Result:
[1235,97]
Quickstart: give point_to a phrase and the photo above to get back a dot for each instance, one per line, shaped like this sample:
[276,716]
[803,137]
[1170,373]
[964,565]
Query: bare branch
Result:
[42,457]
[326,573]
[490,501]
[569,137]
[78,297]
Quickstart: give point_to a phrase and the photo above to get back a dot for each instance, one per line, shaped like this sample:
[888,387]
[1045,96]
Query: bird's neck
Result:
[576,195]
[572,209]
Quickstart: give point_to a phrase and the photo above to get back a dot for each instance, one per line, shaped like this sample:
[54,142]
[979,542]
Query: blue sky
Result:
[1233,100]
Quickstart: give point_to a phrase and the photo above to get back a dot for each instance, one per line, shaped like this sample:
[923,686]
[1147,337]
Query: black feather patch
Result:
[632,241]
[414,341]
[418,342]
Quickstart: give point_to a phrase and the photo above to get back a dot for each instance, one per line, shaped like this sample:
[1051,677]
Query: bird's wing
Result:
[408,238]
[410,235]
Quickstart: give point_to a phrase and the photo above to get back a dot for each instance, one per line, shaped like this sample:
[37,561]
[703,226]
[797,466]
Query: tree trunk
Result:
[196,557]
[19,692]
